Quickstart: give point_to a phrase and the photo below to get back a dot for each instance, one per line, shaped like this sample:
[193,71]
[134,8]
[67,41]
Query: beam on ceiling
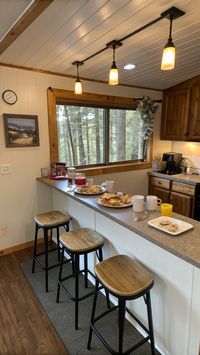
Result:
[28,17]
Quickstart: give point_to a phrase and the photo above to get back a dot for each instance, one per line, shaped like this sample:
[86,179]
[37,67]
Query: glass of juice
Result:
[80,179]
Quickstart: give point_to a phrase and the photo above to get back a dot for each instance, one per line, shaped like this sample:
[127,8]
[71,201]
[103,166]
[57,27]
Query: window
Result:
[82,135]
[95,131]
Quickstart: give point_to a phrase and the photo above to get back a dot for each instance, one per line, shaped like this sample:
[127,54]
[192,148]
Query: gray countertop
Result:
[186,245]
[190,179]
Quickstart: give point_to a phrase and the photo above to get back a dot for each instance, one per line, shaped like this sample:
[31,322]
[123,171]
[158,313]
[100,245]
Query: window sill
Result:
[115,168]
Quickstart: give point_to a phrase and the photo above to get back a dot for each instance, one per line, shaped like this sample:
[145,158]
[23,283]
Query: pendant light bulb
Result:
[78,84]
[168,56]
[113,74]
[78,87]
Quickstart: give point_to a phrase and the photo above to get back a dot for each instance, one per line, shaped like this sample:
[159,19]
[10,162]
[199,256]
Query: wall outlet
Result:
[3,231]
[5,169]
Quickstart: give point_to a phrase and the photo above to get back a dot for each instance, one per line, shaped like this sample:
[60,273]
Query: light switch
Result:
[5,169]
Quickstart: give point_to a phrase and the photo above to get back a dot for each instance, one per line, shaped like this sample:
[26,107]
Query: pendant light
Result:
[113,74]
[168,56]
[78,84]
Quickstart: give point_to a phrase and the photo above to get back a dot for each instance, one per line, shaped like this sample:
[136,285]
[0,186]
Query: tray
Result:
[78,191]
[181,225]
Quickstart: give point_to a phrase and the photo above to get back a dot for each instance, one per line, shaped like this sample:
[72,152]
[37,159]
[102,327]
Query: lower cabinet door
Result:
[182,204]
[159,192]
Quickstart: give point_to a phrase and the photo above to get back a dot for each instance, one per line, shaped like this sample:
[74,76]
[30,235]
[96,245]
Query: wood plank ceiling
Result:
[70,30]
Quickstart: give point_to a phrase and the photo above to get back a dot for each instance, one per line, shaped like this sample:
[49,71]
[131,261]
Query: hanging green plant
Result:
[146,107]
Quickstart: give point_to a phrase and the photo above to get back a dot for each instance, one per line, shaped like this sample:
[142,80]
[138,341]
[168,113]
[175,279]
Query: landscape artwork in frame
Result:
[21,130]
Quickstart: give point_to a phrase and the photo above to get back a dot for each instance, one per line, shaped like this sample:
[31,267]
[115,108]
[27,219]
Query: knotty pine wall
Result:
[20,196]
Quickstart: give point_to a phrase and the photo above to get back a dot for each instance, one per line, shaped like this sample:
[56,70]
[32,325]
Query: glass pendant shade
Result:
[168,57]
[78,87]
[113,75]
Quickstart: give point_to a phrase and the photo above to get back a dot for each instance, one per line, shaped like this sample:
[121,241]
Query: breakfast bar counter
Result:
[174,262]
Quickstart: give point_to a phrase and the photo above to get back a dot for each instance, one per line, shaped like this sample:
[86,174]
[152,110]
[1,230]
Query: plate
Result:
[79,190]
[166,224]
[99,201]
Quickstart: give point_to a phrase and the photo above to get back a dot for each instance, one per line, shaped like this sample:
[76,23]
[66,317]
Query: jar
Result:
[71,175]
[80,179]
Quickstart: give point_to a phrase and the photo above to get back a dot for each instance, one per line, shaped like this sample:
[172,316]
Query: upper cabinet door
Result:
[194,113]
[174,124]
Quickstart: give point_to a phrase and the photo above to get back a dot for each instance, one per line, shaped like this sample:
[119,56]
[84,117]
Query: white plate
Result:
[78,191]
[182,226]
[102,204]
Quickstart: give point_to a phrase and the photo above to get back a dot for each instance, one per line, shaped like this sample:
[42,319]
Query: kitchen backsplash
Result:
[190,150]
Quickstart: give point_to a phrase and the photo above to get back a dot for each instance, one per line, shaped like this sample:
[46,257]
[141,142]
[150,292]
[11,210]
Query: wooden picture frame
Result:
[21,130]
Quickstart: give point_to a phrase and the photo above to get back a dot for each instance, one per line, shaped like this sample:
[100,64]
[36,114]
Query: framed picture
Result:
[21,130]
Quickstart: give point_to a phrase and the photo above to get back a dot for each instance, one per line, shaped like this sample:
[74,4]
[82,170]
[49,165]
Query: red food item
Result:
[80,180]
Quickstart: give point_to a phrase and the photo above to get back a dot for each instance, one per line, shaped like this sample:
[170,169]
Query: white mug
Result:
[152,202]
[138,203]
[110,185]
[90,181]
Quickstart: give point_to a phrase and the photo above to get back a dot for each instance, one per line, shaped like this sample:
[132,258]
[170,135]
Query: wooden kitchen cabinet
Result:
[175,114]
[182,204]
[181,112]
[180,195]
[159,192]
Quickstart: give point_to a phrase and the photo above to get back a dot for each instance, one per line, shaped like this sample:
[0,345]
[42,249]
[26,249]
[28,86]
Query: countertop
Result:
[185,246]
[190,179]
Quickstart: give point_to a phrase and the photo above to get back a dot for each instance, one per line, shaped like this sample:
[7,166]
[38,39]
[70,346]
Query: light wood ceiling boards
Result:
[70,30]
[33,11]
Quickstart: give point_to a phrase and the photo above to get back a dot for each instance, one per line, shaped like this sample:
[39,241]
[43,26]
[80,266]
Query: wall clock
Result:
[10,97]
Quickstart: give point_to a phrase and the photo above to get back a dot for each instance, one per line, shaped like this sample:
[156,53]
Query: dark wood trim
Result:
[24,22]
[20,247]
[54,95]
[48,72]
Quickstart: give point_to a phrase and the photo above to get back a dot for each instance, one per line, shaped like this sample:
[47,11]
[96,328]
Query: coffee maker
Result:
[173,161]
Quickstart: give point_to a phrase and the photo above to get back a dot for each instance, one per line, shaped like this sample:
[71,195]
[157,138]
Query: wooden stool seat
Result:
[78,244]
[126,280]
[123,276]
[48,221]
[51,218]
[81,240]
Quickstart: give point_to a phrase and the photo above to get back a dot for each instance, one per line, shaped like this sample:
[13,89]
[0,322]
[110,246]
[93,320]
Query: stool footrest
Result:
[52,266]
[112,351]
[72,297]
[135,346]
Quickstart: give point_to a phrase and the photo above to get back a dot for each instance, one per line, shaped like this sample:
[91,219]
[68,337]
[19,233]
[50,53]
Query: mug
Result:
[152,202]
[166,209]
[138,203]
[90,181]
[110,185]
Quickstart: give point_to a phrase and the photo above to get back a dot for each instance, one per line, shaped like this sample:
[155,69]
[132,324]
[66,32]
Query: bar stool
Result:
[80,242]
[48,221]
[125,279]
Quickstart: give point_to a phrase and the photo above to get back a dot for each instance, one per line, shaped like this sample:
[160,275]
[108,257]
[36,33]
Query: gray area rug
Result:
[62,315]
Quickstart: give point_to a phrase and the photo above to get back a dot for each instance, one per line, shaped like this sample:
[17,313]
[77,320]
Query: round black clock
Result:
[10,97]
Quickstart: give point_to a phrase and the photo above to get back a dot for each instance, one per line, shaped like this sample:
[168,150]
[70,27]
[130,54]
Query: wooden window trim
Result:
[67,96]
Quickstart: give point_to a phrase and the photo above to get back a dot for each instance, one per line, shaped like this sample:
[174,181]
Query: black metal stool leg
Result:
[35,247]
[106,292]
[150,321]
[93,314]
[51,236]
[58,242]
[121,317]
[60,275]
[46,257]
[85,270]
[76,266]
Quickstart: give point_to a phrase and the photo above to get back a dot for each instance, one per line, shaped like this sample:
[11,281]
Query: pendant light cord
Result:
[170,28]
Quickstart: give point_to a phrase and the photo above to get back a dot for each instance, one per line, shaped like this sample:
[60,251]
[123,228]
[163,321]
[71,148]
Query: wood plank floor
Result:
[24,326]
